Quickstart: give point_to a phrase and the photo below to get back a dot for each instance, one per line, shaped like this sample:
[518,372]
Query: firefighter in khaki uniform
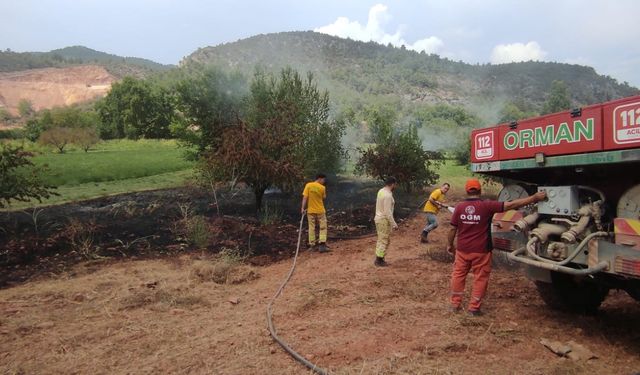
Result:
[313,198]
[384,219]
[471,221]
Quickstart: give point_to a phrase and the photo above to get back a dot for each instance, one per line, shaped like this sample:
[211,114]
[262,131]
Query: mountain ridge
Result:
[120,66]
[369,68]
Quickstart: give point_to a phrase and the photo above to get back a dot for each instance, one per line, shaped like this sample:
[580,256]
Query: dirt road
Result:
[158,316]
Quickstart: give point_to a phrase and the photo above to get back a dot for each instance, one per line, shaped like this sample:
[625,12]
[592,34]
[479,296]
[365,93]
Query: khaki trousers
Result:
[321,221]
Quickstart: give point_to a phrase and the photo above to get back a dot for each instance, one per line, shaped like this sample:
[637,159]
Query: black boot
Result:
[380,262]
[323,248]
[423,237]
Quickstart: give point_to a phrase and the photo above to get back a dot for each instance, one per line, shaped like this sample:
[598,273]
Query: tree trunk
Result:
[258,191]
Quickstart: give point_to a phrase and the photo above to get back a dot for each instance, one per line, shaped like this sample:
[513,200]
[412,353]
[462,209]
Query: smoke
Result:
[441,139]
[488,109]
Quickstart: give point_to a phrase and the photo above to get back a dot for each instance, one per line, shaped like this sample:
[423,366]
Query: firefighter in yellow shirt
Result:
[313,199]
[431,208]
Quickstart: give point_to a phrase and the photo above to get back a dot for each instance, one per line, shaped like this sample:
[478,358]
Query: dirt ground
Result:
[167,316]
[51,87]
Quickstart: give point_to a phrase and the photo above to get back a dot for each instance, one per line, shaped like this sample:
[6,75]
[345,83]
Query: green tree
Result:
[446,114]
[66,117]
[400,155]
[135,109]
[256,156]
[210,101]
[25,108]
[512,112]
[33,129]
[380,120]
[558,100]
[287,135]
[462,153]
[70,117]
[19,178]
[297,104]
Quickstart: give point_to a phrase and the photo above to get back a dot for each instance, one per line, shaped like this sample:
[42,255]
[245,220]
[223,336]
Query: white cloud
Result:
[375,31]
[516,52]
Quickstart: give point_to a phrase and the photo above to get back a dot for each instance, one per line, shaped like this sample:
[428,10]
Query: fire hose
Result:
[272,329]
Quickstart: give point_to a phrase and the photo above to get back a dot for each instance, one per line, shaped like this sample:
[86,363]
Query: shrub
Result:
[25,108]
[19,178]
[193,230]
[400,155]
[86,138]
[4,114]
[271,214]
[12,134]
[81,235]
[198,231]
[58,137]
[462,154]
[226,268]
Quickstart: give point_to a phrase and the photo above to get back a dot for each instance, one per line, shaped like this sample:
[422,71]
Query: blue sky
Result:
[602,34]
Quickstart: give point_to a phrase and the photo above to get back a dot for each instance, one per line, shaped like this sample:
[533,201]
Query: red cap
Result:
[472,184]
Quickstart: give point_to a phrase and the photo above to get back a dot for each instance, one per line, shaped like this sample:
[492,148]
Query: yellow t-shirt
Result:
[436,195]
[315,193]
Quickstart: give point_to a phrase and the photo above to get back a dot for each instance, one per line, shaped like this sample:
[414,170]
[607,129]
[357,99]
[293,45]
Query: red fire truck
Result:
[585,238]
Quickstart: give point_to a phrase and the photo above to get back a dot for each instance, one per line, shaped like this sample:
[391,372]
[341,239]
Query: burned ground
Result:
[51,240]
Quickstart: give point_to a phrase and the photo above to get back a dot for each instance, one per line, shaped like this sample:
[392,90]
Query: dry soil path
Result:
[155,316]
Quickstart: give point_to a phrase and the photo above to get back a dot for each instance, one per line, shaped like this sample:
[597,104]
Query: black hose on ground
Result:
[272,329]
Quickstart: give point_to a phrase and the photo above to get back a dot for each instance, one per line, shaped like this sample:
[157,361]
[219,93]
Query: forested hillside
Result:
[354,71]
[77,55]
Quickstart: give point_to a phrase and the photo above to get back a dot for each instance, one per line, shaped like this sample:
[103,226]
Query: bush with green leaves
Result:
[462,154]
[19,178]
[4,114]
[558,99]
[399,154]
[210,101]
[25,108]
[135,108]
[285,135]
[71,117]
[197,231]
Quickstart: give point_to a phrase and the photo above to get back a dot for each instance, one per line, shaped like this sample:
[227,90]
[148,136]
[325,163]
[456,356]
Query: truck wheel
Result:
[567,294]
[634,292]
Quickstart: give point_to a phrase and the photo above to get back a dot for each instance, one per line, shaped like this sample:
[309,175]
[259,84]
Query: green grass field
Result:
[112,167]
[457,176]
[123,166]
[112,161]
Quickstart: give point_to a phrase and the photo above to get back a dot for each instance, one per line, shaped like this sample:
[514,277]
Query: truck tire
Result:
[565,293]
[634,292]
